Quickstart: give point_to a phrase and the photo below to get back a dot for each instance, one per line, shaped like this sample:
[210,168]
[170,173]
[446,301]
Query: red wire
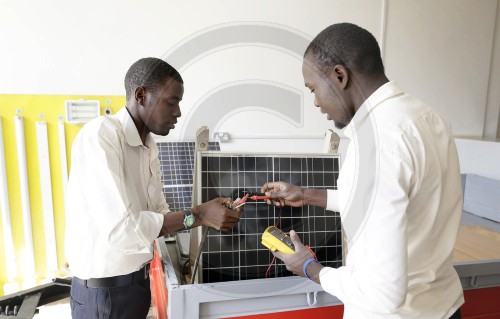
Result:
[270,265]
[277,223]
[312,252]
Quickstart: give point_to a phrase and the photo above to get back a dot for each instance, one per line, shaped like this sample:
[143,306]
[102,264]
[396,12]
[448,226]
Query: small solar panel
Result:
[239,254]
[177,164]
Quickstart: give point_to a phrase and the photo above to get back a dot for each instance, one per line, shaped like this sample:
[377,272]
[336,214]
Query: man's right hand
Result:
[215,214]
[282,194]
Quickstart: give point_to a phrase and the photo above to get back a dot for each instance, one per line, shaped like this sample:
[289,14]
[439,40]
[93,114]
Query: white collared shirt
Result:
[402,225]
[114,200]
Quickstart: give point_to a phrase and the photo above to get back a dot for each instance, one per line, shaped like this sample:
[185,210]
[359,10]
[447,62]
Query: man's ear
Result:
[140,95]
[340,76]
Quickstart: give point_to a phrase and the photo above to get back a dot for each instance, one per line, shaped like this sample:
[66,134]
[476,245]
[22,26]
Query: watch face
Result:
[188,221]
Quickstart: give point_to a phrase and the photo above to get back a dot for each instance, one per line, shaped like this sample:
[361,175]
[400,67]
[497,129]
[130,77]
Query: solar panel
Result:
[177,162]
[239,254]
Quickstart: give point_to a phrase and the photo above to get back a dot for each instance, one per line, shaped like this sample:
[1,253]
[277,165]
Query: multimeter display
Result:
[276,240]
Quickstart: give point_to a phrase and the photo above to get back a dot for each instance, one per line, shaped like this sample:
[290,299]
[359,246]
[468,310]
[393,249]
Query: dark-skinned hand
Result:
[294,262]
[283,194]
[216,215]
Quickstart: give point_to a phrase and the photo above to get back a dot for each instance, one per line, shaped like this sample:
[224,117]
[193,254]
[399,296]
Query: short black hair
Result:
[349,45]
[149,73]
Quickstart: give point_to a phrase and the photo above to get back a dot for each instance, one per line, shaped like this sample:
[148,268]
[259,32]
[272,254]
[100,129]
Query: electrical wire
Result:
[200,247]
[205,235]
[270,265]
[277,224]
[312,252]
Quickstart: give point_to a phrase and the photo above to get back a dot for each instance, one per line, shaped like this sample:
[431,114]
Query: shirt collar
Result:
[386,91]
[131,134]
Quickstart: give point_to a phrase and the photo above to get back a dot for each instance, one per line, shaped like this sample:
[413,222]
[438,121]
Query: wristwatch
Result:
[189,219]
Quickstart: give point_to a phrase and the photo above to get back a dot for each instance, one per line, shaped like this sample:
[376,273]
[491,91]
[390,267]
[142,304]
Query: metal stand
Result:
[24,304]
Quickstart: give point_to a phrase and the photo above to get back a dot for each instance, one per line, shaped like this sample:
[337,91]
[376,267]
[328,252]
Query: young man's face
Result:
[163,107]
[327,94]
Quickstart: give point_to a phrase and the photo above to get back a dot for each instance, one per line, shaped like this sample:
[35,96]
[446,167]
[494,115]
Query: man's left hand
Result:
[295,262]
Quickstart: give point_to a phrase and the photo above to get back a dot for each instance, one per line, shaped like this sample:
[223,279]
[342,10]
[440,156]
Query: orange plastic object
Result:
[159,293]
[243,200]
[259,197]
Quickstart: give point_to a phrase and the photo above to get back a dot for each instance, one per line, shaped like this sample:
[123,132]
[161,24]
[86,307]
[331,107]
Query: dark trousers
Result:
[131,301]
[457,315]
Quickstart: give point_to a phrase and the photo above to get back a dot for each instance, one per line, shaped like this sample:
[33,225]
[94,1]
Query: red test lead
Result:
[258,197]
[243,200]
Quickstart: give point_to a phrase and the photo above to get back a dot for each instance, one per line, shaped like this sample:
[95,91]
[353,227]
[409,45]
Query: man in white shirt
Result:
[115,206]
[399,190]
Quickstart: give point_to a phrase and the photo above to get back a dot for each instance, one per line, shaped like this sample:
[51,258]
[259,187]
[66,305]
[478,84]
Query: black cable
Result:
[200,247]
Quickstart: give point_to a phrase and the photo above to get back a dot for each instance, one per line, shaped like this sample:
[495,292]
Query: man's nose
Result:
[177,112]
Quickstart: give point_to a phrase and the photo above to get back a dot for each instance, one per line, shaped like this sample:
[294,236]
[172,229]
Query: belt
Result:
[138,276]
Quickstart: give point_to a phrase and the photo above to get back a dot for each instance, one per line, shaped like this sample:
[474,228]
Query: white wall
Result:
[441,51]
[445,52]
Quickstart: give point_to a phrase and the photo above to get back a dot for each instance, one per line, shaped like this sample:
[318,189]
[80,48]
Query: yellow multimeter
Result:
[276,240]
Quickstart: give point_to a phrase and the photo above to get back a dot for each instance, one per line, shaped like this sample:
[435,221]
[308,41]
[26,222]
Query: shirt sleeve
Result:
[161,203]
[375,276]
[332,201]
[101,172]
